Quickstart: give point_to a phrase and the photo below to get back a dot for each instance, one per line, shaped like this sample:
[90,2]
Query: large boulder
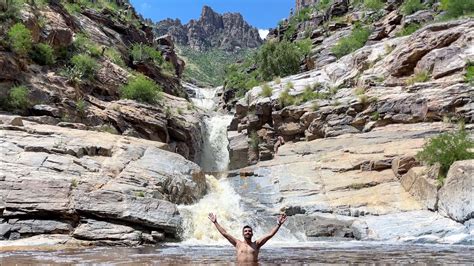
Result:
[69,175]
[422,184]
[456,198]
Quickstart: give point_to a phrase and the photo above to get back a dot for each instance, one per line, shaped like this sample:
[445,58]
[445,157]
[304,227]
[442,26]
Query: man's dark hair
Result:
[247,226]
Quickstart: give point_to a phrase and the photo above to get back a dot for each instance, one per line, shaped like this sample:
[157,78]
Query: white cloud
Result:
[263,33]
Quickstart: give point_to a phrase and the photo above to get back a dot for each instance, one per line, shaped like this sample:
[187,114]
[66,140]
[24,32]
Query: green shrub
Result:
[408,29]
[315,106]
[85,65]
[266,91]
[457,8]
[18,98]
[375,116]
[421,76]
[411,6]
[141,53]
[114,56]
[374,5]
[304,46]
[323,5]
[363,99]
[81,107]
[140,194]
[20,39]
[277,80]
[83,44]
[285,99]
[43,54]
[469,76]
[141,89]
[254,141]
[354,41]
[308,94]
[278,59]
[447,148]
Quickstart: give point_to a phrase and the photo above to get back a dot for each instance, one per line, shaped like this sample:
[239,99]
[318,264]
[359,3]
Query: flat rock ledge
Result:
[91,186]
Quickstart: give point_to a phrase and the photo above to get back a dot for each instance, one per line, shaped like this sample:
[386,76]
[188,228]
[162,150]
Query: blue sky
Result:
[262,14]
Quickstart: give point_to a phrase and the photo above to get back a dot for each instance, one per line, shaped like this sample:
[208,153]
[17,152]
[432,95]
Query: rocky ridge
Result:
[348,167]
[95,104]
[227,32]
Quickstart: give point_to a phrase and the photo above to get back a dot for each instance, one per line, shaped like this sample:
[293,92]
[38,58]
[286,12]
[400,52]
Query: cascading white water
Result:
[215,156]
[221,199]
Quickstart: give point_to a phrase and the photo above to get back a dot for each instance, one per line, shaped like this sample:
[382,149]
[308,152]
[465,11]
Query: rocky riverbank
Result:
[354,186]
[93,186]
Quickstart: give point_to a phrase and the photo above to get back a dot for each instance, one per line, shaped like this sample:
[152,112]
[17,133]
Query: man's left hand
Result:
[281,218]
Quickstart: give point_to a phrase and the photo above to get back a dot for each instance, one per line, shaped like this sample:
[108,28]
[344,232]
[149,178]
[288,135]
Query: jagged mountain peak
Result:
[228,31]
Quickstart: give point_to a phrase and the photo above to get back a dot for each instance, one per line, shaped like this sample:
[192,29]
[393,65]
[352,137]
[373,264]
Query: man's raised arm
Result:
[280,220]
[221,230]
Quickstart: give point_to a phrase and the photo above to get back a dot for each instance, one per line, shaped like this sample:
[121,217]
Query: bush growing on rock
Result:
[411,6]
[141,89]
[83,44]
[421,76]
[354,41]
[457,8]
[408,29]
[469,76]
[278,59]
[10,9]
[285,98]
[115,56]
[266,91]
[20,39]
[447,148]
[141,53]
[18,98]
[85,65]
[374,5]
[43,54]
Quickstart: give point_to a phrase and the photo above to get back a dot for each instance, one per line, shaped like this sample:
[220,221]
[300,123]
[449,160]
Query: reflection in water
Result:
[312,252]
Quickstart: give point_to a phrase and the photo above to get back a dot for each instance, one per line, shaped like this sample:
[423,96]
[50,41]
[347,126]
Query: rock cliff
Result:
[227,32]
[343,172]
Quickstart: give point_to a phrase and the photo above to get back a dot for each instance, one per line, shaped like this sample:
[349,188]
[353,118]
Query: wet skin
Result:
[247,251]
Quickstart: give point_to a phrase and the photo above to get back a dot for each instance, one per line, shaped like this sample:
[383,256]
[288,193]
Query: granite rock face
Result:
[227,32]
[456,198]
[345,187]
[95,186]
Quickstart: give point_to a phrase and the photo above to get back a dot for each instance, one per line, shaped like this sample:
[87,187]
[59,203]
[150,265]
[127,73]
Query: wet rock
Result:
[106,232]
[324,226]
[238,150]
[68,173]
[36,227]
[456,197]
[413,226]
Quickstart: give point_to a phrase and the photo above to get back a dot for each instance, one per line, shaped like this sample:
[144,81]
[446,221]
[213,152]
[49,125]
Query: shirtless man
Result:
[247,251]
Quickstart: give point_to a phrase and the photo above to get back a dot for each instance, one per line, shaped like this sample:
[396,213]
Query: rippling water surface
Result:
[276,254]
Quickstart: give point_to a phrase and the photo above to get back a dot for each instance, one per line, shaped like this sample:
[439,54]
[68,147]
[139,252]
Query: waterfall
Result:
[233,211]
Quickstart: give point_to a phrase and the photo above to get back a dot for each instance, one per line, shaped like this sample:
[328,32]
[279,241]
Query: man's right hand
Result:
[212,217]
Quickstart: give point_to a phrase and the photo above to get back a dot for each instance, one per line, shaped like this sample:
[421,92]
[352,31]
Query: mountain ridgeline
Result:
[210,44]
[228,32]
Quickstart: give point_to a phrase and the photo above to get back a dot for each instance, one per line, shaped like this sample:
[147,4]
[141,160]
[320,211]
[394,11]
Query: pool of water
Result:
[273,254]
